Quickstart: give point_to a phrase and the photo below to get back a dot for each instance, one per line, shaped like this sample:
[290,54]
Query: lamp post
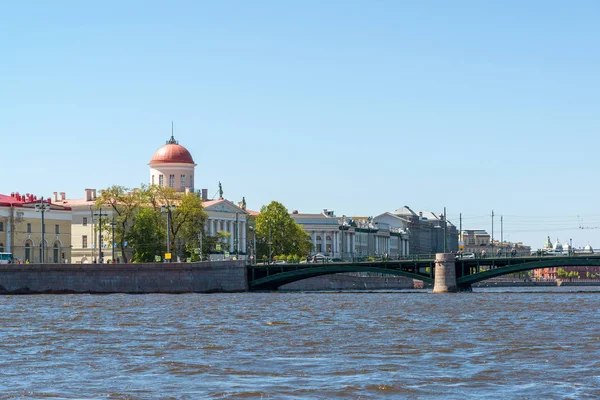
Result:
[342,236]
[100,214]
[169,208]
[113,224]
[237,238]
[43,207]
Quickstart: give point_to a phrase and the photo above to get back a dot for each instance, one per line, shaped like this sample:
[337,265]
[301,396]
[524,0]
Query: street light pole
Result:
[168,208]
[237,238]
[112,224]
[43,207]
[100,214]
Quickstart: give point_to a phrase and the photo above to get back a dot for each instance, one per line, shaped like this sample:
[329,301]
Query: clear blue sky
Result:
[360,107]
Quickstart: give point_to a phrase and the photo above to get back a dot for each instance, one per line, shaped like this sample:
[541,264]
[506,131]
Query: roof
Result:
[172,153]
[405,211]
[27,201]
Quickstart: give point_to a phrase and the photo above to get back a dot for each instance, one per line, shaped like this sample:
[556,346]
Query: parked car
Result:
[467,255]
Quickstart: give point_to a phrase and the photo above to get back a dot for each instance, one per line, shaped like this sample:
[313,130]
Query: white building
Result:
[225,216]
[172,166]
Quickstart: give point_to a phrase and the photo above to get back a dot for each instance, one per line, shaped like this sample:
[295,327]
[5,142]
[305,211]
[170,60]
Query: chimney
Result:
[55,196]
[187,190]
[93,194]
[421,214]
[204,194]
[63,196]
[88,194]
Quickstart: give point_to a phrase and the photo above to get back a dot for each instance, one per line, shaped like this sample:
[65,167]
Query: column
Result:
[243,235]
[376,244]
[445,273]
[334,242]
[314,239]
[324,243]
[231,230]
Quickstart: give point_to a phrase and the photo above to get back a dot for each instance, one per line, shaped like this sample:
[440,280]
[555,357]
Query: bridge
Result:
[447,272]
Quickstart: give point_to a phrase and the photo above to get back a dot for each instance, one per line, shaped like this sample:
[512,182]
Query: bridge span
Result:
[448,273]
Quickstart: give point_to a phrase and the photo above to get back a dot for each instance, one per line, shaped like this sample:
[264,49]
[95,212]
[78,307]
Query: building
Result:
[224,216]
[348,237]
[84,233]
[427,230]
[27,221]
[172,166]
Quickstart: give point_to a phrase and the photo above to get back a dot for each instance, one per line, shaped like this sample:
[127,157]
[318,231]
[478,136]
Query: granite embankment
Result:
[206,277]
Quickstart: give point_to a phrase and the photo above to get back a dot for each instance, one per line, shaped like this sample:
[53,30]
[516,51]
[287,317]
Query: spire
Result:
[172,140]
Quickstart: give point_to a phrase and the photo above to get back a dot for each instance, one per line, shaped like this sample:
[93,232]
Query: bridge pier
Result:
[445,273]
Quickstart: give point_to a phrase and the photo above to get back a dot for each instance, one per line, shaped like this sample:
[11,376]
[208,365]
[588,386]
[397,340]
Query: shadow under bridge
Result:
[271,277]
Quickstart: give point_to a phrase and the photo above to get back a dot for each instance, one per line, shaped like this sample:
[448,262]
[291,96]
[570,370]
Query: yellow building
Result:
[21,229]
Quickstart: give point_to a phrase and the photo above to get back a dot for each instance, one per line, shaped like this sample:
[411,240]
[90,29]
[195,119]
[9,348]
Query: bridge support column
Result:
[445,273]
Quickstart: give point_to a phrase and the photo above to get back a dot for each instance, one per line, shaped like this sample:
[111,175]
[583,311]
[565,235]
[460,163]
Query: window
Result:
[28,228]
[172,180]
[84,242]
[161,180]
[153,179]
[57,229]
[1,226]
[182,181]
[84,221]
[191,183]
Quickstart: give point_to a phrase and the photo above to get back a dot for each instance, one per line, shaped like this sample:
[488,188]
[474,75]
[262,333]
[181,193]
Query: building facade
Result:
[34,229]
[172,166]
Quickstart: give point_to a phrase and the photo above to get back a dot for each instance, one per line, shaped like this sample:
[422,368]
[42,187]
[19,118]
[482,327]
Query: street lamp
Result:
[169,208]
[100,214]
[253,246]
[113,224]
[43,208]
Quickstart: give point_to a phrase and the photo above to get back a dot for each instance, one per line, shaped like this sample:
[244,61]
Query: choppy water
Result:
[487,344]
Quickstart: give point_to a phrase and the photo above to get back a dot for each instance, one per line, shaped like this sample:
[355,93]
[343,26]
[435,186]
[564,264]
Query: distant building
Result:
[21,229]
[172,166]
[478,240]
[426,230]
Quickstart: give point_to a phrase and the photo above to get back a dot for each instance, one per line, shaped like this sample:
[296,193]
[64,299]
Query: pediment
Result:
[224,206]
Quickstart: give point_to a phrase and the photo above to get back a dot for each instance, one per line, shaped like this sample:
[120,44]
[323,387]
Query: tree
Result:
[278,233]
[561,273]
[187,219]
[147,236]
[124,203]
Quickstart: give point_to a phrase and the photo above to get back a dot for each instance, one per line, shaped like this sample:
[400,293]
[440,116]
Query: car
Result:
[467,255]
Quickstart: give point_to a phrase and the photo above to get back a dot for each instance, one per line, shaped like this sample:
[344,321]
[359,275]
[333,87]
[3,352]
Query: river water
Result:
[493,343]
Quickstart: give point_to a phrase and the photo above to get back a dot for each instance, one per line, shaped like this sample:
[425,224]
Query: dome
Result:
[172,152]
[557,246]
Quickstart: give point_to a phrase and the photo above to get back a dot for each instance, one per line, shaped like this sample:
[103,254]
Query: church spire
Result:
[172,140]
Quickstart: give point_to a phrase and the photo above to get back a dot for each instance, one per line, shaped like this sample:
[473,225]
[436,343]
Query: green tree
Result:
[187,218]
[278,233]
[147,236]
[124,203]
[561,273]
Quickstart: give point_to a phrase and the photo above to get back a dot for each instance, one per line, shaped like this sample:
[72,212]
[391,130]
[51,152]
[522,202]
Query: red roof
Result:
[19,200]
[172,153]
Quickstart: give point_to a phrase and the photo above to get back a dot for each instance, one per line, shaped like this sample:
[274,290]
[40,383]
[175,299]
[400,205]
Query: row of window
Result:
[161,181]
[56,228]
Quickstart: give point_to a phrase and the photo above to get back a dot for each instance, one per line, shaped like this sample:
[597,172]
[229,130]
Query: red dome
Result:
[172,153]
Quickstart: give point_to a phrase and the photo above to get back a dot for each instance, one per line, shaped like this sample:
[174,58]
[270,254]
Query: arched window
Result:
[28,251]
[55,252]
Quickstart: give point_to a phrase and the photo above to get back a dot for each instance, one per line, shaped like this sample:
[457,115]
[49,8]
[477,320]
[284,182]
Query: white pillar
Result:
[243,235]
[232,236]
[314,239]
[324,245]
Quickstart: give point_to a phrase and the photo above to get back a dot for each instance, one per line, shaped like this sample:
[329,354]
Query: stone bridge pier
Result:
[445,273]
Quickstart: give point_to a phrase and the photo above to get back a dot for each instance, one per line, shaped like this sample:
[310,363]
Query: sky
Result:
[361,107]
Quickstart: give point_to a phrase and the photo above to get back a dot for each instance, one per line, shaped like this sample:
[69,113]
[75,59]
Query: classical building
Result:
[23,218]
[224,216]
[348,237]
[172,166]
[84,235]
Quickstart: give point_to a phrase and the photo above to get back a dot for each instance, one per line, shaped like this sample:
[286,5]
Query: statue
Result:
[244,203]
[220,190]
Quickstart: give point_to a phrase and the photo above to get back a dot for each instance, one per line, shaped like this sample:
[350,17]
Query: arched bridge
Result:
[468,271]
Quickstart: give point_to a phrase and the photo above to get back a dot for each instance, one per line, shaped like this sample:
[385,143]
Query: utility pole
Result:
[200,240]
[445,227]
[270,242]
[100,214]
[112,224]
[502,232]
[168,208]
[43,207]
[492,232]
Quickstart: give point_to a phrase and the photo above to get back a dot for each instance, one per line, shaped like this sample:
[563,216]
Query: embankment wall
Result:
[205,277]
